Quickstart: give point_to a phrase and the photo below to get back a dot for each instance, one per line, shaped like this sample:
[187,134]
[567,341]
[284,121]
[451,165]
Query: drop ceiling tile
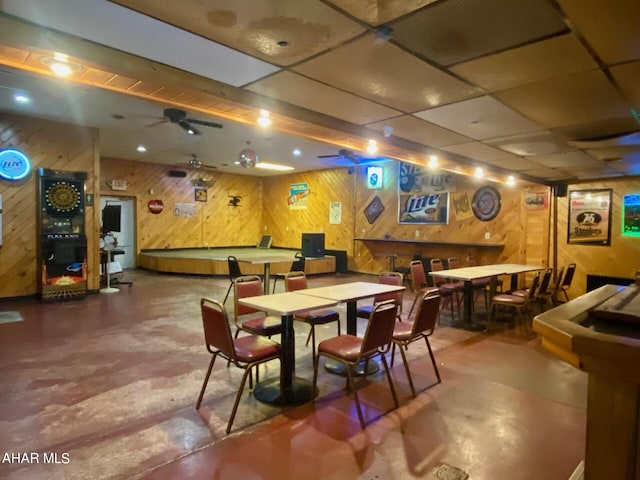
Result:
[514,163]
[304,92]
[255,28]
[587,96]
[591,173]
[537,143]
[118,27]
[598,129]
[377,12]
[628,167]
[624,153]
[458,30]
[627,78]
[420,131]
[547,174]
[532,63]
[612,31]
[386,74]
[478,151]
[576,159]
[479,118]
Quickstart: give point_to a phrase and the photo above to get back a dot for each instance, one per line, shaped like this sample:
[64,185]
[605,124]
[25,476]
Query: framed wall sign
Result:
[589,217]
[200,194]
[631,215]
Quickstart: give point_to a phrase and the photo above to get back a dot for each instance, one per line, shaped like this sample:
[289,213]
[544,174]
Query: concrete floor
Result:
[109,385]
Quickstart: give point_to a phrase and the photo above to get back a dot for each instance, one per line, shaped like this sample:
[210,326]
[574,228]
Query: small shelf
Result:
[432,242]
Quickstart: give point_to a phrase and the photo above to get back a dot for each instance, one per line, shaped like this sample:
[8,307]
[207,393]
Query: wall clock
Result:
[486,203]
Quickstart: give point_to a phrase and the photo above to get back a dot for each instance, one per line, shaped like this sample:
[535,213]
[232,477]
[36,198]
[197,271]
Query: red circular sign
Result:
[155,206]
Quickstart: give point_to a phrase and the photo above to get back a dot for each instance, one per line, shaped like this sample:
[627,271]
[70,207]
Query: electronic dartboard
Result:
[63,198]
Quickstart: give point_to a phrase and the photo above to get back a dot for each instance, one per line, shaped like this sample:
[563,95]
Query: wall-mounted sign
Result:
[118,184]
[14,164]
[414,178]
[631,215]
[486,203]
[429,208]
[590,217]
[155,206]
[374,177]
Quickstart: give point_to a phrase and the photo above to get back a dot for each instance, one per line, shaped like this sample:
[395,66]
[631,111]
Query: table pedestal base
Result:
[268,391]
[339,368]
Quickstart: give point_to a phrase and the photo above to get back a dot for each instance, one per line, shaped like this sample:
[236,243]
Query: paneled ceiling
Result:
[546,90]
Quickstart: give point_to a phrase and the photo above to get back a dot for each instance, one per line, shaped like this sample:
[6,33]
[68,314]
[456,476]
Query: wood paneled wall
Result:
[52,145]
[215,223]
[620,259]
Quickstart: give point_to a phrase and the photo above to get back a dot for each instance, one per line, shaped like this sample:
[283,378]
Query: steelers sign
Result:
[62,198]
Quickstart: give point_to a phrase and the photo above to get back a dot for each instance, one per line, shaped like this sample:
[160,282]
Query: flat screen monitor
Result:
[265,241]
[111,218]
[313,245]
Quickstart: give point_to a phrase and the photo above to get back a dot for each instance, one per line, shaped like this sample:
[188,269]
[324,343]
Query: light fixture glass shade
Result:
[247,158]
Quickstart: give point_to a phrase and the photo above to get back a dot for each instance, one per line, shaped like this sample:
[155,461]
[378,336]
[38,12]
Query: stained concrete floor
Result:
[109,385]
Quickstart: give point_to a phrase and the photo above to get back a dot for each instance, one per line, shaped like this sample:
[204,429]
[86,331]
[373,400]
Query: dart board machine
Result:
[63,243]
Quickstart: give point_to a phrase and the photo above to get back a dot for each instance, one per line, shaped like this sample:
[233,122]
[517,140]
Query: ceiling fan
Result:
[180,118]
[350,156]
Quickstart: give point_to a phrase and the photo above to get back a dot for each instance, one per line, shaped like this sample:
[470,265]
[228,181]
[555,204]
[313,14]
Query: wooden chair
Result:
[246,352]
[351,350]
[296,266]
[234,272]
[260,323]
[298,281]
[386,278]
[519,303]
[422,326]
[419,284]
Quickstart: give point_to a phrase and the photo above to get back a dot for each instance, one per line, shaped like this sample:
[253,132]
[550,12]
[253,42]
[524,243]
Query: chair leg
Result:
[415,300]
[206,380]
[393,352]
[228,291]
[352,387]
[238,395]
[316,361]
[406,369]
[433,360]
[275,280]
[313,340]
[393,389]
[309,336]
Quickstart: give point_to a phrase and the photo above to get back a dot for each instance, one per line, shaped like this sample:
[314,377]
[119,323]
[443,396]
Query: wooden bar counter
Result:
[585,334]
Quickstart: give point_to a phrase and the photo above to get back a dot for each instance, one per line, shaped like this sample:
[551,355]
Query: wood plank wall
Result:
[620,259]
[215,224]
[52,145]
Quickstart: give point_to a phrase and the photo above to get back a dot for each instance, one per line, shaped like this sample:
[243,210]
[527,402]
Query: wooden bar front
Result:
[612,360]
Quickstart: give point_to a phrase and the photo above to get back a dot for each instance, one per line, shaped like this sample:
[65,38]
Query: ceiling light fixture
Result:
[21,98]
[274,166]
[297,152]
[433,162]
[511,180]
[387,131]
[60,65]
[263,119]
[141,148]
[247,158]
[479,172]
[372,147]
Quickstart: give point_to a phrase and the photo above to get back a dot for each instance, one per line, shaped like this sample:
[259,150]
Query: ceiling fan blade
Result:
[328,156]
[186,126]
[204,123]
[159,122]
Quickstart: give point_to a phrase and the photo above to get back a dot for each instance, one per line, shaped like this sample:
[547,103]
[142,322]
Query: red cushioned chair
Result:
[298,281]
[448,291]
[259,322]
[422,326]
[246,352]
[350,350]
[419,282]
[519,303]
[385,278]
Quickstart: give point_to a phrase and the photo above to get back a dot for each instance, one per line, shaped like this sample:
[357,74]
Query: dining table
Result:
[286,389]
[492,272]
[266,260]
[350,293]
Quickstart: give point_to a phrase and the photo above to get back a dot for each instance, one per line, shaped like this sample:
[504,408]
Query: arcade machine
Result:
[63,243]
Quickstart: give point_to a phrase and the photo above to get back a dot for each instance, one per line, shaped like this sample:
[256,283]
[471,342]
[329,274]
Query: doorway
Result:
[125,238]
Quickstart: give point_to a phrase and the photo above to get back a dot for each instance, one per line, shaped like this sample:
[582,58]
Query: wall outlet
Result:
[417,233]
[487,236]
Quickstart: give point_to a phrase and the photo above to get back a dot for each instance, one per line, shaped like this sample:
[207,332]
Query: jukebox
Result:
[63,243]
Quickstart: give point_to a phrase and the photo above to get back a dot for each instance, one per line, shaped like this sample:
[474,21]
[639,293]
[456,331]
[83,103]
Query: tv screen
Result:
[111,218]
[313,244]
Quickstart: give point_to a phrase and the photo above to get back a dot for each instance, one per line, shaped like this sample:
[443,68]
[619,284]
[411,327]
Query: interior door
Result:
[125,238]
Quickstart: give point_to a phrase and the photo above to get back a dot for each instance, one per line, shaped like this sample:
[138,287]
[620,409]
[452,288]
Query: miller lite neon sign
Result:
[14,164]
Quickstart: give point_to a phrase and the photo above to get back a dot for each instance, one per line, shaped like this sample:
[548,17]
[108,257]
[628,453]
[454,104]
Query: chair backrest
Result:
[546,279]
[471,261]
[418,277]
[234,267]
[295,281]
[298,264]
[454,262]
[217,332]
[558,284]
[436,266]
[427,315]
[568,276]
[246,286]
[379,332]
[390,278]
[533,291]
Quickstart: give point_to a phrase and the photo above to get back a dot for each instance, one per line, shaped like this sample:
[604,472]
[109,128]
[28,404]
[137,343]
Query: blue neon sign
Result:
[14,164]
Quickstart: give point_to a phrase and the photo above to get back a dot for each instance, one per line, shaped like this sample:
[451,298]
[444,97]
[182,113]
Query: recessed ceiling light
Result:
[283,43]
[274,166]
[21,98]
[433,162]
[479,173]
[511,180]
[263,119]
[372,147]
[297,152]
[141,148]
[61,69]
